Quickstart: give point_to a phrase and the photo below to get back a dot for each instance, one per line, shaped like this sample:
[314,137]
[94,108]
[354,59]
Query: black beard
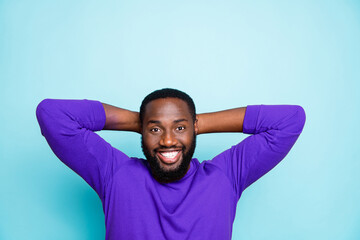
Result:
[173,175]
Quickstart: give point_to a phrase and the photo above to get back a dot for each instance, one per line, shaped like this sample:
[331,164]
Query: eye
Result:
[154,129]
[180,128]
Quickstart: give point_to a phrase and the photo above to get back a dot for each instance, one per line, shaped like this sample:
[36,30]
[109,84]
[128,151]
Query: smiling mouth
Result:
[169,157]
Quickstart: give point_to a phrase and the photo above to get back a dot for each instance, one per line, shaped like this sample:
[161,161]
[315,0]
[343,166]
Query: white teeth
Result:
[169,154]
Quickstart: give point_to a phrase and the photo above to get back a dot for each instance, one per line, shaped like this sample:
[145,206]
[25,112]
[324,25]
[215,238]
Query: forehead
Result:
[167,108]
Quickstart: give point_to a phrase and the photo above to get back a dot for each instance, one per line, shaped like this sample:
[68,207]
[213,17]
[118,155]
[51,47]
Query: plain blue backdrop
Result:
[225,54]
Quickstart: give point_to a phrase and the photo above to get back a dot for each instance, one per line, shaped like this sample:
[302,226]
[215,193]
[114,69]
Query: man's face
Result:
[168,138]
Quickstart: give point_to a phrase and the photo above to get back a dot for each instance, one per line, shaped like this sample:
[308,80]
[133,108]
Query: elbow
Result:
[44,104]
[42,113]
[299,118]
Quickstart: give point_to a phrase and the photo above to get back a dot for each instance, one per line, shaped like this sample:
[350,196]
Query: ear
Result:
[196,128]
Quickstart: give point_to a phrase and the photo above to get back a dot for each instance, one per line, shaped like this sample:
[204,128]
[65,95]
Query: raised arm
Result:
[121,119]
[223,121]
[274,130]
[69,127]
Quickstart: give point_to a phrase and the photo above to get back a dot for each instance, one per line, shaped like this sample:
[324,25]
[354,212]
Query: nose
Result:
[168,140]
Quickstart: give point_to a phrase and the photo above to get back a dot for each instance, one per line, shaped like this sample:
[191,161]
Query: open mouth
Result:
[169,157]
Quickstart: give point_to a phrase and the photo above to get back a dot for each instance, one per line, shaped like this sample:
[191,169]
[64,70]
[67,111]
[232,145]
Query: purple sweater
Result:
[201,205]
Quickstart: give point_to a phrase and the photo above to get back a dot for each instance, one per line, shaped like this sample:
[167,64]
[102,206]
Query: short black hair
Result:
[167,93]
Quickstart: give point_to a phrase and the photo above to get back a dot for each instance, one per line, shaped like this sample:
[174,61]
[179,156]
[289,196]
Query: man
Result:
[170,195]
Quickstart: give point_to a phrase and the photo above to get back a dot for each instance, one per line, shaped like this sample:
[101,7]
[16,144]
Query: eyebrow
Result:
[175,121]
[180,120]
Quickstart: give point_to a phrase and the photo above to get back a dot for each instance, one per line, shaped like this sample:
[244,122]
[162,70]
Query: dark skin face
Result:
[168,138]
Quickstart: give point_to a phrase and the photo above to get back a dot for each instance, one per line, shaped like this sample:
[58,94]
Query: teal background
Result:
[225,54]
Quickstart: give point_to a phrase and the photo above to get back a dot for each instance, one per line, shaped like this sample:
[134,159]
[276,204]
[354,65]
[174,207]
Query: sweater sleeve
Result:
[274,129]
[69,128]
